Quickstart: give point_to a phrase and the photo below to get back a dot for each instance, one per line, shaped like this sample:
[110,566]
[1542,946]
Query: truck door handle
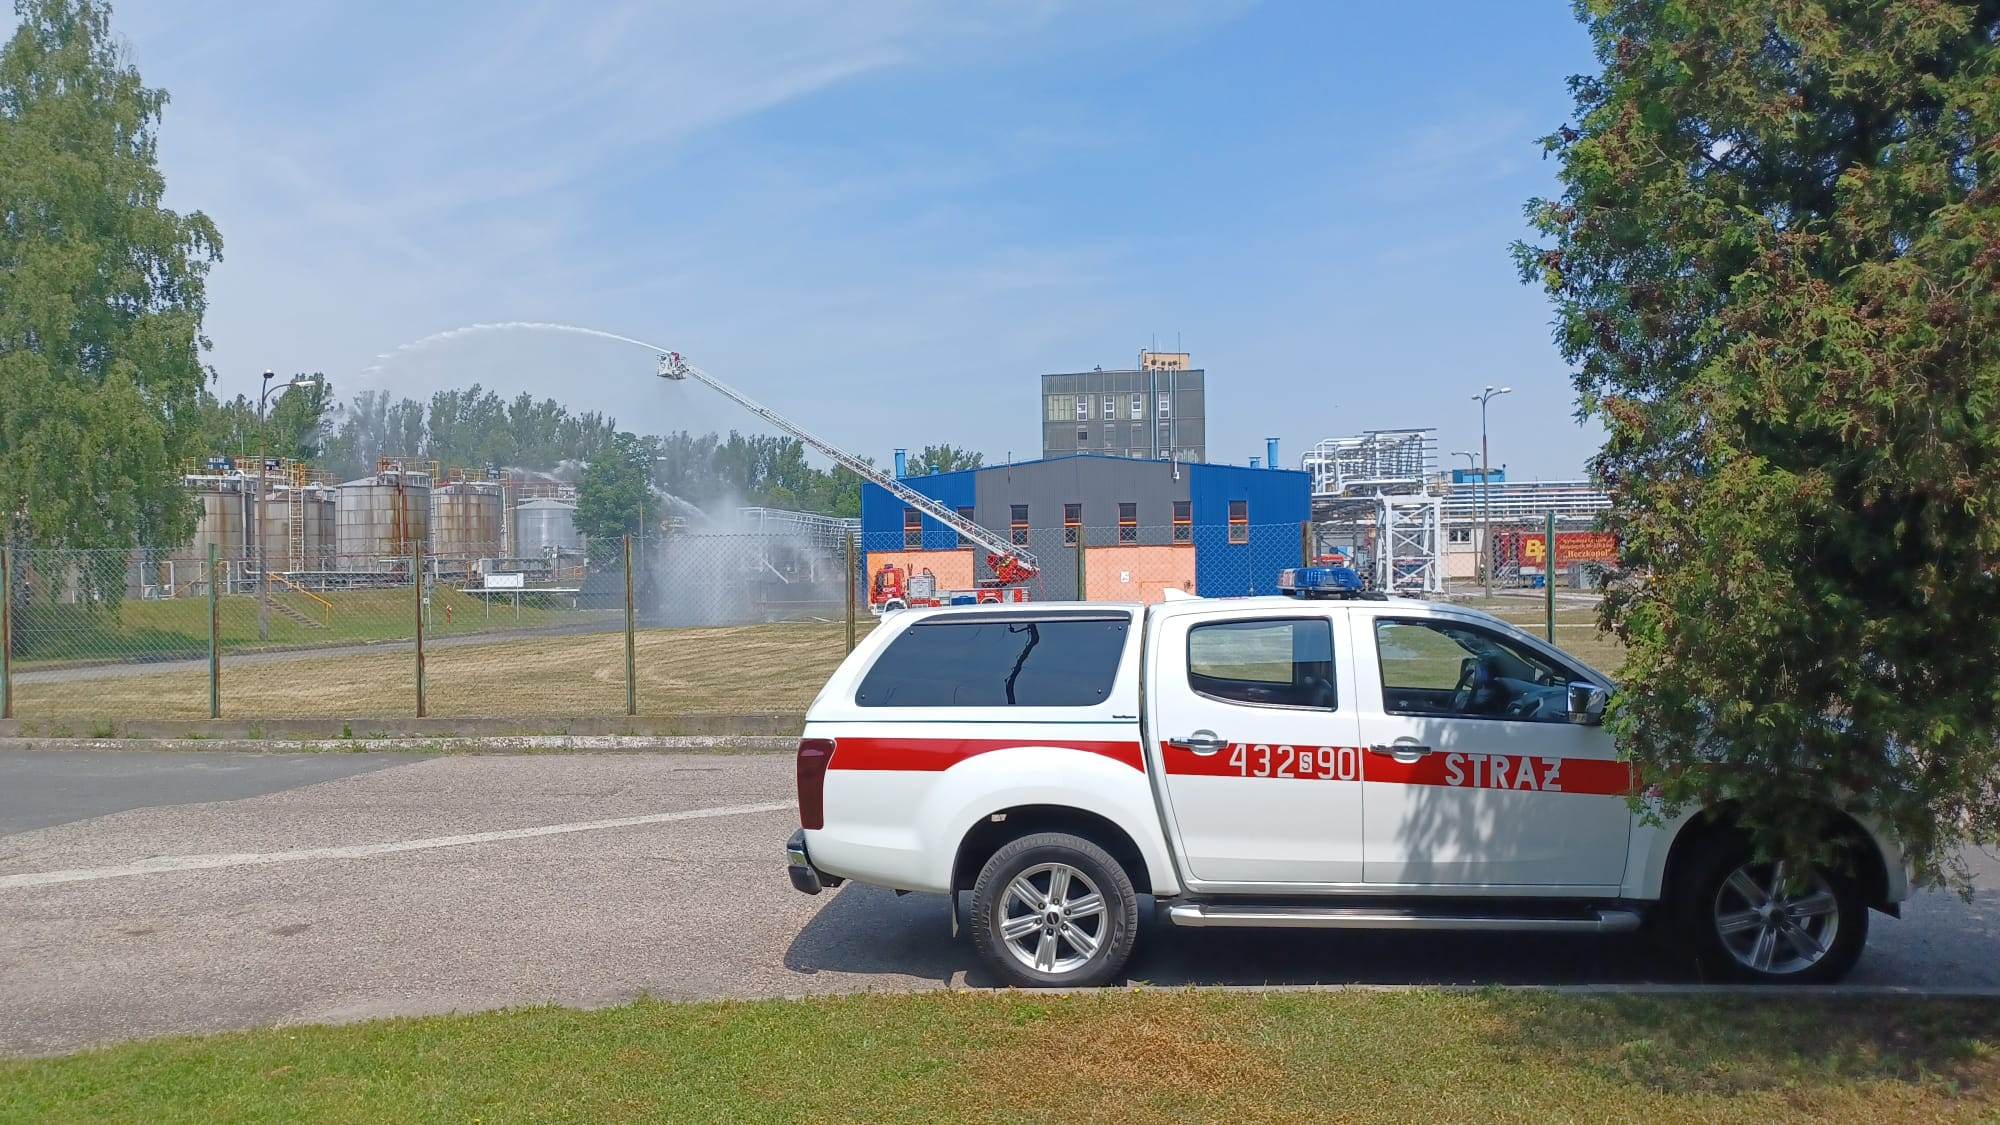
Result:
[1202,742]
[1404,752]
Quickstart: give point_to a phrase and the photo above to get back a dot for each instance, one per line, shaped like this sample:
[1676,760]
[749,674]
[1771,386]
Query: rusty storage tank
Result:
[224,521]
[380,520]
[466,521]
[313,548]
[544,524]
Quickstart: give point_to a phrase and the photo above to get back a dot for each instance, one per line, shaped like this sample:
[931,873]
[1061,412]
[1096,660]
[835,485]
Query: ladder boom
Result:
[673,366]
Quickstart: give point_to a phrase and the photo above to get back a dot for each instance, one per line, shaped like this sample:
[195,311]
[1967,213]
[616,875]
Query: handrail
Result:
[298,589]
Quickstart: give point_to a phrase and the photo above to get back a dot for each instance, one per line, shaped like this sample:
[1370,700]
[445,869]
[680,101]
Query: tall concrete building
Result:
[1155,411]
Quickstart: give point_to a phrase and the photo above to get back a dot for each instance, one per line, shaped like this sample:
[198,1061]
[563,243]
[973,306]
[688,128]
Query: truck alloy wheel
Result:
[1772,921]
[1766,921]
[1052,918]
[1054,909]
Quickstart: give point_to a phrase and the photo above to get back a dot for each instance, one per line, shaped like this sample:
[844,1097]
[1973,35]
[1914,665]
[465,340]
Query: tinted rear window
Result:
[997,664]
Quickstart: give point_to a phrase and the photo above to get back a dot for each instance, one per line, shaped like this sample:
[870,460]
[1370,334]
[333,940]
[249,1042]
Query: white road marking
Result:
[169,863]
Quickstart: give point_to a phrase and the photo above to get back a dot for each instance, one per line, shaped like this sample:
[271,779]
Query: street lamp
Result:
[1486,486]
[263,492]
[650,462]
[1471,466]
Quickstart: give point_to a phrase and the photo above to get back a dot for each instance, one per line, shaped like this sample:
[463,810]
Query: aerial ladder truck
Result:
[1011,566]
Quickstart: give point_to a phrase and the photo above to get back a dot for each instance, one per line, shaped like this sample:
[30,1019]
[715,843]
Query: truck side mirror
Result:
[1586,704]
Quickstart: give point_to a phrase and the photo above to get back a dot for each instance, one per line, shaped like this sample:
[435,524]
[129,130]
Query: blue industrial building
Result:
[1240,525]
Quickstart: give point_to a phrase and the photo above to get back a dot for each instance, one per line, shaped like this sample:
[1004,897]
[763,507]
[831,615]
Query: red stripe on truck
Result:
[1454,770]
[929,755]
[1527,773]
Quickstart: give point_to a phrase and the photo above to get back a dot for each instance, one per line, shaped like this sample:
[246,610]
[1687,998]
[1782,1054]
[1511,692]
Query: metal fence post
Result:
[6,631]
[1549,575]
[417,584]
[1082,571]
[631,656]
[214,634]
[1306,543]
[853,577]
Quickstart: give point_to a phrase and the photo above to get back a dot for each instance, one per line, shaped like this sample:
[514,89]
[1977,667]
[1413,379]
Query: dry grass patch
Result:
[1177,1052]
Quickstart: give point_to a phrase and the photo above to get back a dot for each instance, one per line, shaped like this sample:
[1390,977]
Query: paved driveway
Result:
[147,894]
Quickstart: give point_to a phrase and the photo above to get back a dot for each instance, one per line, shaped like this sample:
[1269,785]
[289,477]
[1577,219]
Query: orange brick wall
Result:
[1137,574]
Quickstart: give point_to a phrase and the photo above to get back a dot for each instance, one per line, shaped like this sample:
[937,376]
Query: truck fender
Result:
[977,788]
[1653,847]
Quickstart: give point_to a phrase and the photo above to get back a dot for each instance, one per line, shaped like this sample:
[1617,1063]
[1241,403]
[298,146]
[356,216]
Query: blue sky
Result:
[886,218]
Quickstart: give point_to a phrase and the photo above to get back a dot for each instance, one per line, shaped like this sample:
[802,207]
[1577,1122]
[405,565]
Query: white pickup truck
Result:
[1265,762]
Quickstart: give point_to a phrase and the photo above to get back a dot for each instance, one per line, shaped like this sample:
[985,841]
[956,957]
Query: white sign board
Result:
[506,581]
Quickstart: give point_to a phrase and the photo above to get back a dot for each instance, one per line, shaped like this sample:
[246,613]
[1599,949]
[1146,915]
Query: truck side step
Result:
[1200,914]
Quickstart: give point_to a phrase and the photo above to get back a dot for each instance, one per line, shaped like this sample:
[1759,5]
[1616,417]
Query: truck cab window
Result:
[1274,662]
[1448,668]
[998,663]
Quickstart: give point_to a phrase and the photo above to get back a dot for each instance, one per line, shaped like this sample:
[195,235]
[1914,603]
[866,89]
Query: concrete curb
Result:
[1762,991]
[490,744]
[761,724]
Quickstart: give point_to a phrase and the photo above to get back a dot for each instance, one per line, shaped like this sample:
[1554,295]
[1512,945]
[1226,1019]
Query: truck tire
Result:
[1054,910]
[1748,920]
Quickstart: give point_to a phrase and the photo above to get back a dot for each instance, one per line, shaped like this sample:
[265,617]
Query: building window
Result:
[1166,406]
[1017,524]
[1138,407]
[913,530]
[1110,439]
[1128,521]
[1459,535]
[1110,407]
[1072,524]
[1183,521]
[1239,521]
[1061,407]
[966,515]
[1083,408]
[1082,436]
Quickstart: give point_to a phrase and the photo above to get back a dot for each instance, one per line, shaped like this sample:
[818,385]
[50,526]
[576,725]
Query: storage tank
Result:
[542,524]
[225,520]
[466,521]
[314,549]
[381,519]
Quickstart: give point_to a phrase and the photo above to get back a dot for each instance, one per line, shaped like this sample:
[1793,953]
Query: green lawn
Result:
[1114,1056]
[177,628]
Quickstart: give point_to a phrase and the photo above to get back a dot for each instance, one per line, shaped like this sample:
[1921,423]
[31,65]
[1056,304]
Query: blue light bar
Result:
[1319,582]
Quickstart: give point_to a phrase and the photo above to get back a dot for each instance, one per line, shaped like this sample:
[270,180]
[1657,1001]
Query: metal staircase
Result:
[292,613]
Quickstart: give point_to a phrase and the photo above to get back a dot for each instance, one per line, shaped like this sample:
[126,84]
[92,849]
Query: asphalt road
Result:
[145,894]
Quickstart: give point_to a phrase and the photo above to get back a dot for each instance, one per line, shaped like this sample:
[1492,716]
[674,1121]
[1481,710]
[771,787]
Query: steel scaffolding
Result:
[1373,495]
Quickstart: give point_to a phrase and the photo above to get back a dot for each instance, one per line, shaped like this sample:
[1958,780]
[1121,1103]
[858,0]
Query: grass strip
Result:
[1111,1056]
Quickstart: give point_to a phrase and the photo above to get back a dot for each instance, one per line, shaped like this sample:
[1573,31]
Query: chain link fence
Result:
[689,621]
[695,621]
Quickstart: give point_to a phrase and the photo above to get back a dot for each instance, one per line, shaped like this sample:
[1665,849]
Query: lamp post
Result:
[651,460]
[1486,486]
[1471,466]
[263,492]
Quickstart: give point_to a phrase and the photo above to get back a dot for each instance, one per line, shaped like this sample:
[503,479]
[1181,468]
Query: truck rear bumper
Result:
[806,878]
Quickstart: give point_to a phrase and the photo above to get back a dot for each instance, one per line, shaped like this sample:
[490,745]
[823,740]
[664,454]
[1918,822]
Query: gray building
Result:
[1156,411]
